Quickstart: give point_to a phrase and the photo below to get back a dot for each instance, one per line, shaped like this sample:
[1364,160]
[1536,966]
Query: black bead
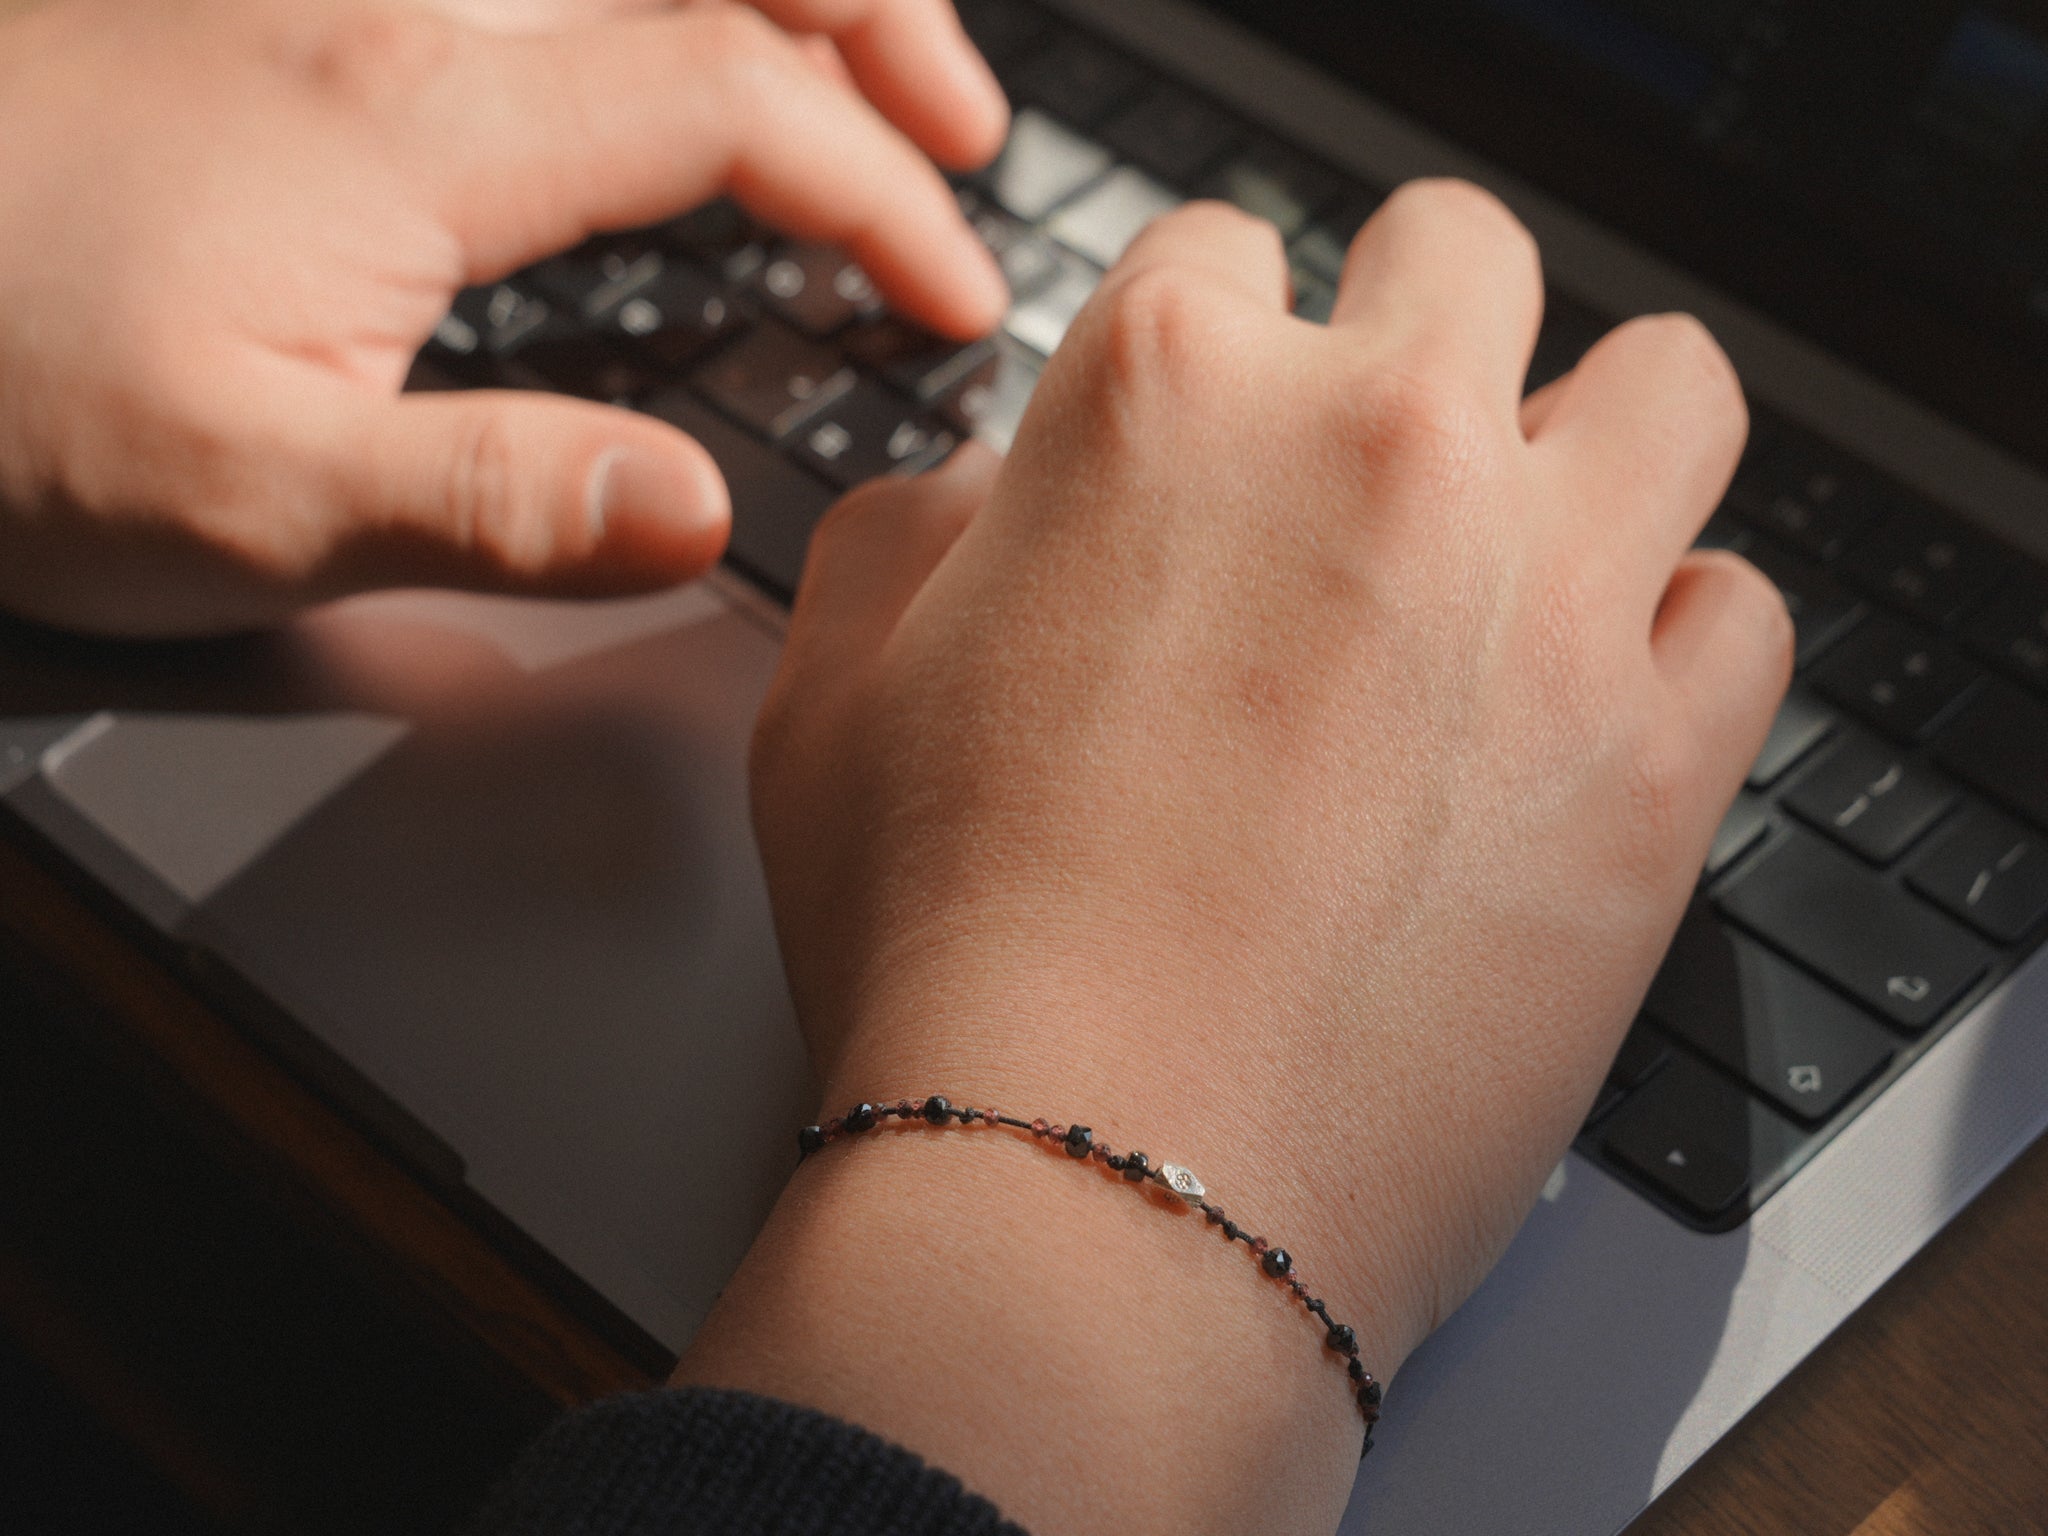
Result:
[1116,1162]
[1080,1140]
[1370,1393]
[1357,1369]
[1278,1261]
[1317,1305]
[937,1110]
[1231,1230]
[861,1117]
[810,1139]
[1135,1167]
[1342,1339]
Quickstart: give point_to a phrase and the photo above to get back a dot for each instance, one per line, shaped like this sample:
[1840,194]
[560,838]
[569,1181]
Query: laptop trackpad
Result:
[508,878]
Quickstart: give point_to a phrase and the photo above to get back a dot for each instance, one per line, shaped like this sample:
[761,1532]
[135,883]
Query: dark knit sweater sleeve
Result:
[679,1463]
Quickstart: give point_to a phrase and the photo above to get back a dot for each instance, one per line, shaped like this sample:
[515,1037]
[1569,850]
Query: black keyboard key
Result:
[1800,1044]
[1642,1053]
[1568,333]
[1924,563]
[508,336]
[1041,321]
[1325,244]
[1043,164]
[679,316]
[1811,495]
[1895,677]
[2011,632]
[1077,79]
[1604,1100]
[1999,744]
[1871,798]
[600,275]
[1988,870]
[775,380]
[587,365]
[1172,133]
[910,357]
[427,378]
[1822,609]
[1315,300]
[816,288]
[720,236]
[1902,959]
[1029,261]
[1002,29]
[1746,822]
[1699,1139]
[1274,183]
[869,432]
[775,505]
[1801,724]
[1102,222]
[1723,532]
[989,402]
[486,327]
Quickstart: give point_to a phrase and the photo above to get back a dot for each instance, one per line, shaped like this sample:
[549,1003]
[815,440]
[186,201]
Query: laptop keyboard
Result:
[1884,867]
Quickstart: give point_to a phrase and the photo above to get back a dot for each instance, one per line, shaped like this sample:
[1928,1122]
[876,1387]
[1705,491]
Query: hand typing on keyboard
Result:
[226,227]
[1296,757]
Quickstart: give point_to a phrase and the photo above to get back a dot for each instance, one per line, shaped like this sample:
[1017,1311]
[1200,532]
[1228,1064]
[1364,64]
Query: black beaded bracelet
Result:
[1081,1144]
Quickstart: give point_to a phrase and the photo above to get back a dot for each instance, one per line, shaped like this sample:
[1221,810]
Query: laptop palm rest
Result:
[496,857]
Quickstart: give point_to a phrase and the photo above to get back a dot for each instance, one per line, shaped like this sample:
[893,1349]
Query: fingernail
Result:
[657,505]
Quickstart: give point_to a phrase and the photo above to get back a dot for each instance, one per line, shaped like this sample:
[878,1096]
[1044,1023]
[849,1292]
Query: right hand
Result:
[1295,759]
[226,226]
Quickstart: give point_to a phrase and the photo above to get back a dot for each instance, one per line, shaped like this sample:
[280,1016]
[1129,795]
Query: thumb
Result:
[522,492]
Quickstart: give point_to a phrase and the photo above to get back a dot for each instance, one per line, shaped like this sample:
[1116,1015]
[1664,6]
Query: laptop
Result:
[479,869]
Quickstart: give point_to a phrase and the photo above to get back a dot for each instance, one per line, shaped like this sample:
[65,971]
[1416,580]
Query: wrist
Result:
[1188,1071]
[1088,1356]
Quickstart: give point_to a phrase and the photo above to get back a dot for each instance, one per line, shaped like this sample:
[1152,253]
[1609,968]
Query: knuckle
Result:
[1417,422]
[741,37]
[377,56]
[1214,216]
[1155,328]
[1762,607]
[1448,200]
[1662,781]
[1682,343]
[489,510]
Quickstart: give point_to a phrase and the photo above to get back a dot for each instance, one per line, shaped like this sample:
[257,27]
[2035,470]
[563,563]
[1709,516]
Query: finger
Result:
[1224,246]
[1723,641]
[1538,407]
[829,62]
[621,125]
[1444,271]
[913,60]
[517,17]
[519,492]
[874,552]
[1649,431]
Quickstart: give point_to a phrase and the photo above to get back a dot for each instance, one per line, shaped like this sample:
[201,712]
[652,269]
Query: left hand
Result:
[226,226]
